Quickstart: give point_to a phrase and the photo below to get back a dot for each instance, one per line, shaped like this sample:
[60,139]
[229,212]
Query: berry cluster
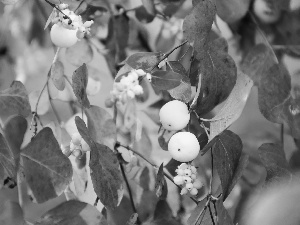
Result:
[187,178]
[78,145]
[128,87]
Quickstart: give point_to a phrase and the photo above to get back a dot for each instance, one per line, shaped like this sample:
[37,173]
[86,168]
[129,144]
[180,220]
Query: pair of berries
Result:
[183,146]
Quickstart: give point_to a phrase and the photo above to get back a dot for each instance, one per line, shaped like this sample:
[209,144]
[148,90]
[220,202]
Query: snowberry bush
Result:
[137,112]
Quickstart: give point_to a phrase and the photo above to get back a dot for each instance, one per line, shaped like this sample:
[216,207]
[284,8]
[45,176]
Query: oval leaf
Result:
[165,80]
[79,84]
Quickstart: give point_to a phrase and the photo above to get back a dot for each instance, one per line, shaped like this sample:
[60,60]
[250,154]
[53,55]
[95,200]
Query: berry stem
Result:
[54,6]
[153,165]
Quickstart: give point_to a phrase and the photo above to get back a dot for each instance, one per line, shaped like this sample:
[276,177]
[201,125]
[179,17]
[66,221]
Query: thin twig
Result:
[82,1]
[54,6]
[282,134]
[20,195]
[212,172]
[211,215]
[128,188]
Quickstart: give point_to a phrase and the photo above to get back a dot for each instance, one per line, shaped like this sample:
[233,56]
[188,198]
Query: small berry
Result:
[179,172]
[187,180]
[138,90]
[140,72]
[184,191]
[193,169]
[178,180]
[183,166]
[194,191]
[149,77]
[187,172]
[77,153]
[189,186]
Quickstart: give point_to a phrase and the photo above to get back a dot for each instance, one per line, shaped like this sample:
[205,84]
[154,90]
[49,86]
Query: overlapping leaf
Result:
[232,10]
[228,159]
[219,73]
[105,173]
[144,60]
[79,84]
[47,170]
[14,100]
[101,126]
[161,188]
[165,80]
[72,213]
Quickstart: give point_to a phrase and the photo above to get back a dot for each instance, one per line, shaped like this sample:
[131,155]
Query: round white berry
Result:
[137,89]
[180,172]
[149,77]
[76,138]
[187,179]
[179,180]
[193,176]
[194,191]
[189,186]
[63,37]
[174,115]
[183,166]
[184,146]
[193,169]
[187,172]
[184,191]
[77,153]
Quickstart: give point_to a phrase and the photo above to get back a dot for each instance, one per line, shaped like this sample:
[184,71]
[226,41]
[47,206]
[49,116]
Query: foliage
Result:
[100,151]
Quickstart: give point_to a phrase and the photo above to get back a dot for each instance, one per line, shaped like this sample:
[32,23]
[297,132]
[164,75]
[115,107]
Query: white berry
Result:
[85,146]
[184,146]
[179,180]
[174,115]
[187,179]
[76,138]
[184,191]
[187,172]
[189,186]
[194,191]
[197,184]
[63,37]
[180,172]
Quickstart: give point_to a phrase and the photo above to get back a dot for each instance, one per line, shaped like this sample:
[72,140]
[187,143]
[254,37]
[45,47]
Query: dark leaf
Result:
[273,92]
[133,219]
[182,92]
[161,188]
[273,159]
[47,170]
[165,80]
[84,132]
[101,126]
[11,213]
[14,129]
[80,53]
[197,24]
[172,166]
[163,214]
[72,212]
[219,74]
[203,140]
[144,60]
[14,100]
[106,176]
[227,159]
[232,10]
[162,142]
[57,75]
[7,162]
[79,84]
[143,16]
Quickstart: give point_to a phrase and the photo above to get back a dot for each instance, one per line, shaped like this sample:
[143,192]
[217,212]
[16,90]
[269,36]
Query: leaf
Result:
[227,152]
[50,18]
[101,126]
[163,214]
[232,11]
[143,16]
[273,159]
[161,188]
[7,162]
[72,212]
[14,131]
[233,106]
[79,84]
[219,74]
[197,24]
[57,75]
[14,100]
[11,213]
[273,91]
[133,219]
[257,61]
[80,53]
[165,80]
[105,173]
[162,142]
[47,170]
[144,60]
[200,215]
[183,92]
[106,176]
